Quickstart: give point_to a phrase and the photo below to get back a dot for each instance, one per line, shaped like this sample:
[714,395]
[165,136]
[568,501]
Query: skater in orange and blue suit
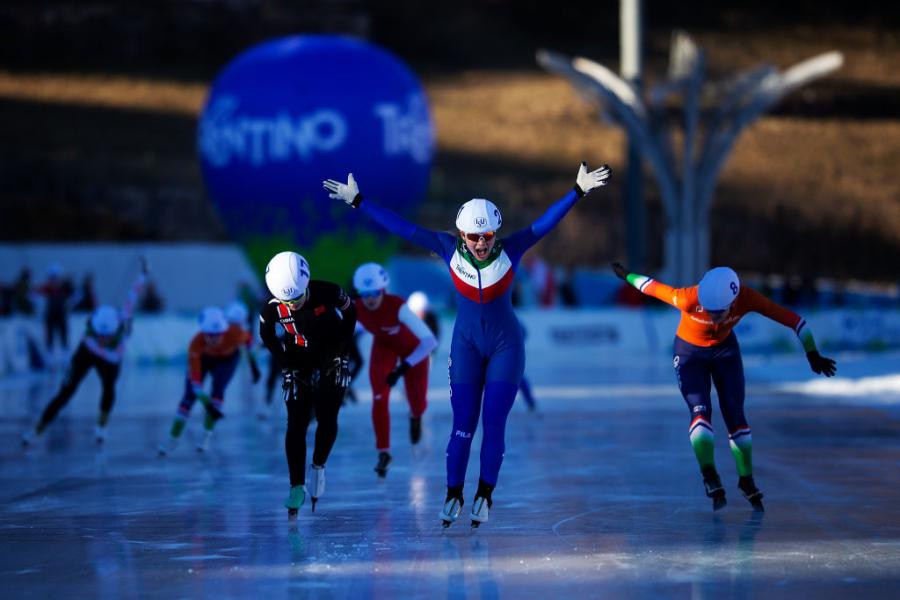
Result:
[706,351]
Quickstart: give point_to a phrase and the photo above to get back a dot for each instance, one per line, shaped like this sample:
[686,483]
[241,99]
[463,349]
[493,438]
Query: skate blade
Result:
[755,501]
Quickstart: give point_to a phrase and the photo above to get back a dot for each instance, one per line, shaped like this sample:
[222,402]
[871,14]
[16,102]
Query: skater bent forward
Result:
[318,318]
[706,350]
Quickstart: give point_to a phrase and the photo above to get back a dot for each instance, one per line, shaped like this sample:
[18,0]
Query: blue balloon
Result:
[288,113]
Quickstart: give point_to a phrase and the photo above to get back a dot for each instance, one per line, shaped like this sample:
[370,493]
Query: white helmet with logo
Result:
[370,277]
[417,302]
[478,216]
[236,312]
[212,320]
[105,320]
[718,288]
[287,276]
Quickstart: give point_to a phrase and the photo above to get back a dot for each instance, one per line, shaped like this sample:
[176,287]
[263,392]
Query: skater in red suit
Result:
[401,347]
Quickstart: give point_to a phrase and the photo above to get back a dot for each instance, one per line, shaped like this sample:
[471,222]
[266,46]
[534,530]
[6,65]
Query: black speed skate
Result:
[384,459]
[714,488]
[415,430]
[751,493]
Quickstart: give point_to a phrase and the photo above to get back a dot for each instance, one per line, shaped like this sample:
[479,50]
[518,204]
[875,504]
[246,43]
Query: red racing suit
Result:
[398,334]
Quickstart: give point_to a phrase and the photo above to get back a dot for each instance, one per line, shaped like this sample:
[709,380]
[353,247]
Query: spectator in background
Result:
[86,301]
[629,296]
[56,291]
[839,297]
[567,295]
[541,278]
[792,290]
[5,300]
[809,292]
[22,302]
[151,301]
[766,288]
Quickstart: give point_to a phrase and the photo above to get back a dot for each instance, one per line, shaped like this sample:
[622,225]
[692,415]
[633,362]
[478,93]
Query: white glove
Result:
[339,191]
[585,182]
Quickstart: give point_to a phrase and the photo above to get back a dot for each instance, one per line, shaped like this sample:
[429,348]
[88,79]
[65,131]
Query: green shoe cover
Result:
[296,498]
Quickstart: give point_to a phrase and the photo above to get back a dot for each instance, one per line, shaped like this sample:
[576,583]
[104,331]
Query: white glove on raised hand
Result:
[585,182]
[348,192]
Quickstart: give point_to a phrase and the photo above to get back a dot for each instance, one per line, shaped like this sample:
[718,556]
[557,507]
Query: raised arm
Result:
[137,288]
[438,242]
[680,298]
[585,182]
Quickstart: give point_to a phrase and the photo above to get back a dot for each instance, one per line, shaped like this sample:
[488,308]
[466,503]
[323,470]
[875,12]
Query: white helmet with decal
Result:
[105,320]
[370,277]
[287,276]
[212,321]
[236,312]
[718,288]
[478,216]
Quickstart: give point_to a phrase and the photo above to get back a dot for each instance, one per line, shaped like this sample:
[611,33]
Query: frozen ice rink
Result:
[599,495]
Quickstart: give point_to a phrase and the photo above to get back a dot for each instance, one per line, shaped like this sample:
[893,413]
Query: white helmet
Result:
[212,320]
[718,288]
[417,302]
[105,320]
[236,312]
[478,216]
[370,277]
[287,276]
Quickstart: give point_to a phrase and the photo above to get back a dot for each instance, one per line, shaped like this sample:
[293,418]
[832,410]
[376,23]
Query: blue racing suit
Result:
[487,353]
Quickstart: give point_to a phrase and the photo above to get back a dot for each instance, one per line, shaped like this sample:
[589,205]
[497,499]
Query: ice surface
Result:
[599,495]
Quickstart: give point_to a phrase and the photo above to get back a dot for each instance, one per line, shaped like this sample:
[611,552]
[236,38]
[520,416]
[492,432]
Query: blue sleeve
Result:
[440,243]
[519,242]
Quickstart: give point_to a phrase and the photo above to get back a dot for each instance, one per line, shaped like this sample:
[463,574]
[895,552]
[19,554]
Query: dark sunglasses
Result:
[474,237]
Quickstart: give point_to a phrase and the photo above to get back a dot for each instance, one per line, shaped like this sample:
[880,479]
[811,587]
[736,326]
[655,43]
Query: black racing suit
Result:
[313,358]
[107,364]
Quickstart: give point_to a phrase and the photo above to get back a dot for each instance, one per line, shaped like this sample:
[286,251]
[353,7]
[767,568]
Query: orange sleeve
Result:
[758,303]
[684,299]
[195,353]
